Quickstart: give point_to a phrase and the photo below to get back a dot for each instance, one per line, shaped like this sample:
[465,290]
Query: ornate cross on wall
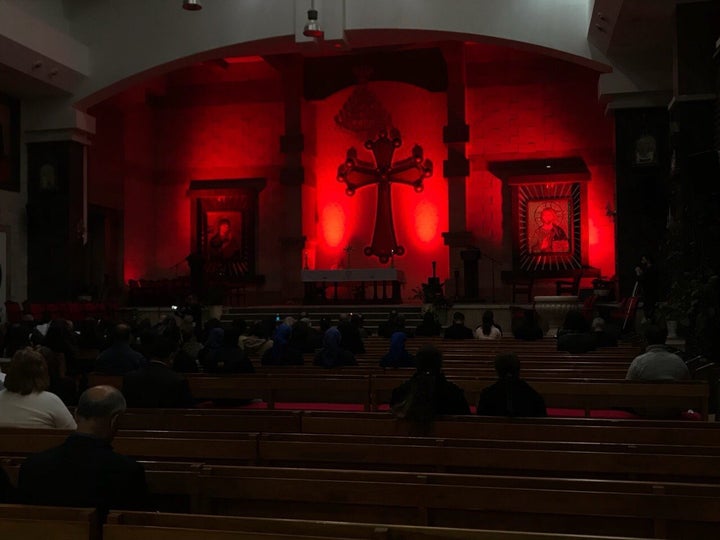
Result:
[356,173]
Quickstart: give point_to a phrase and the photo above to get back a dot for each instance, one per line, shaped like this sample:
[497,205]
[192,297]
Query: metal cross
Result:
[356,173]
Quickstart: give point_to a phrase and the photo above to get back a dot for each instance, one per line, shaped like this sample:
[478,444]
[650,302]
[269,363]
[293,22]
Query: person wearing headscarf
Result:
[332,354]
[427,393]
[510,395]
[281,352]
[397,356]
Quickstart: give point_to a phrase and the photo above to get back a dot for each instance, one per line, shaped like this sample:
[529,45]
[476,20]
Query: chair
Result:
[568,287]
[522,286]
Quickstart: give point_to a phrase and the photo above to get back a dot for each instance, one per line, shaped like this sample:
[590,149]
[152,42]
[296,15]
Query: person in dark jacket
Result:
[157,385]
[119,358]
[458,330]
[333,353]
[350,331]
[510,395]
[427,393]
[575,336]
[84,471]
[429,327]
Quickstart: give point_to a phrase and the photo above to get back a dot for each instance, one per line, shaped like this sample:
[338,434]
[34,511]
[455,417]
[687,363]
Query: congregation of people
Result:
[44,380]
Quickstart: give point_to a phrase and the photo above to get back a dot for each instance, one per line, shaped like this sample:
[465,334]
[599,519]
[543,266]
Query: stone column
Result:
[57,205]
[292,175]
[456,168]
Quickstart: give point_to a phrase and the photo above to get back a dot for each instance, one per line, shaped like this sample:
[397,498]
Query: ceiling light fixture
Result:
[192,5]
[312,28]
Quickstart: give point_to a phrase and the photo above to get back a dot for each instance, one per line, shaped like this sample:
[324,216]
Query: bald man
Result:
[84,471]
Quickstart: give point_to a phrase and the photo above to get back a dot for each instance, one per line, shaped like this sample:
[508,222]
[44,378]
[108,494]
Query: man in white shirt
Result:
[657,363]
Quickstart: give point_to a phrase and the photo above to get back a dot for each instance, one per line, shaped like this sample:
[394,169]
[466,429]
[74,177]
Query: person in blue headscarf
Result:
[397,356]
[281,352]
[332,353]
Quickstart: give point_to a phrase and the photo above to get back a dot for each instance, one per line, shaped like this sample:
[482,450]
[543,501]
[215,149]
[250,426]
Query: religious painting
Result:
[223,235]
[548,222]
[9,143]
[549,225]
[224,217]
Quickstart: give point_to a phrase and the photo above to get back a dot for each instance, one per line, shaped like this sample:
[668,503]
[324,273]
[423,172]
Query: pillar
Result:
[456,168]
[292,175]
[57,202]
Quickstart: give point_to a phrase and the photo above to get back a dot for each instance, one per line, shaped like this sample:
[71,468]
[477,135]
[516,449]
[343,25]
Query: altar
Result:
[317,283]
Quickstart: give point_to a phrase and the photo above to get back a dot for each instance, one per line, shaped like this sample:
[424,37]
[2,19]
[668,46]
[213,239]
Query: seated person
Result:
[157,385]
[61,385]
[395,323]
[528,327]
[575,336]
[603,338]
[187,358]
[24,402]
[119,357]
[428,393]
[397,356]
[510,395]
[458,330]
[333,354]
[84,471]
[429,327]
[282,352]
[210,354]
[488,329]
[350,332]
[657,363]
[231,358]
[304,337]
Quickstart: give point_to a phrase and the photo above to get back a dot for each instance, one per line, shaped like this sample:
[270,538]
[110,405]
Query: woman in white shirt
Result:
[24,403]
[488,329]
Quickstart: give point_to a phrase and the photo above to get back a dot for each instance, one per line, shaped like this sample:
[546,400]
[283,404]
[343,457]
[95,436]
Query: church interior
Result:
[276,161]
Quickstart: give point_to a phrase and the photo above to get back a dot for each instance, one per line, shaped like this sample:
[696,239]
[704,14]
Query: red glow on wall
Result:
[332,222]
[427,221]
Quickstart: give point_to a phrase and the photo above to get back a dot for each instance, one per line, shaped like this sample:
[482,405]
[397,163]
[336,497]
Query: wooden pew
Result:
[218,420]
[586,395]
[550,458]
[147,526]
[464,427]
[370,392]
[21,522]
[496,457]
[520,508]
[529,429]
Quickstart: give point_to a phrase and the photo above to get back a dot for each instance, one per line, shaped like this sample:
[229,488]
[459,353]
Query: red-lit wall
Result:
[556,115]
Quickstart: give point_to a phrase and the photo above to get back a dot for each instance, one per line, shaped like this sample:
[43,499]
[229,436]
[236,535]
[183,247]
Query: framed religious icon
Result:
[9,143]
[549,226]
[224,235]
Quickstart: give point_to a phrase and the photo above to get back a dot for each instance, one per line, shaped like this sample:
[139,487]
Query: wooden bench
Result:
[21,522]
[464,427]
[550,510]
[371,392]
[151,526]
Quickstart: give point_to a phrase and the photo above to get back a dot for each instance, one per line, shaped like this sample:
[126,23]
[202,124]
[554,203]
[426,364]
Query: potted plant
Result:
[433,298]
